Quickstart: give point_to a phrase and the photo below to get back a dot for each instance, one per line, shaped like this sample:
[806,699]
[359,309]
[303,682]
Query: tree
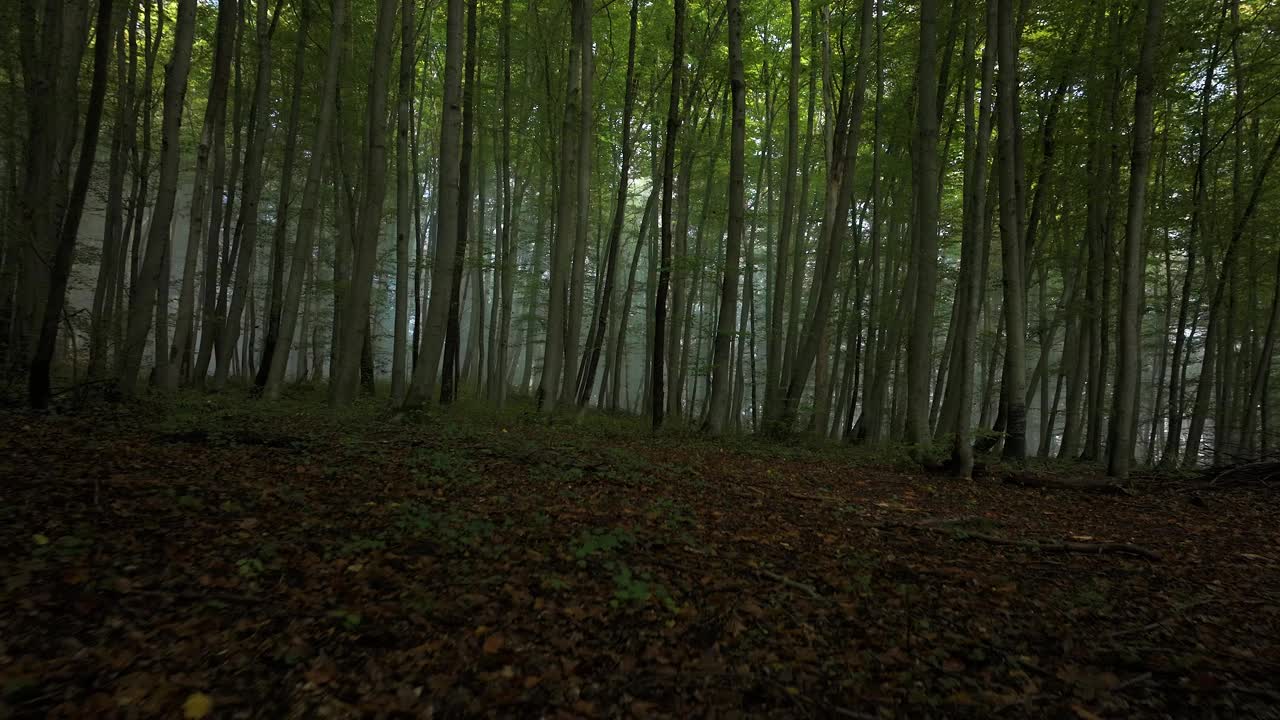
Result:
[1121,445]
[717,416]
[657,374]
[142,294]
[427,374]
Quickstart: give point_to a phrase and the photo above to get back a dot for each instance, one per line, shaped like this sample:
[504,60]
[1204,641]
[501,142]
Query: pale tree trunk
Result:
[531,296]
[104,290]
[616,399]
[213,298]
[969,291]
[38,380]
[304,243]
[718,414]
[427,374]
[1207,365]
[281,230]
[925,248]
[201,201]
[599,329]
[775,348]
[840,196]
[404,119]
[1125,399]
[246,233]
[504,273]
[142,295]
[561,251]
[354,325]
[1015,294]
[585,140]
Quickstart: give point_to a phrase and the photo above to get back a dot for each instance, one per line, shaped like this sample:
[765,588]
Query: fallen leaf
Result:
[198,705]
[494,643]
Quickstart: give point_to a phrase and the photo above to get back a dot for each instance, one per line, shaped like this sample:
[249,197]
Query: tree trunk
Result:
[1015,293]
[46,342]
[427,373]
[354,324]
[656,376]
[925,254]
[1125,399]
[308,218]
[718,415]
[142,295]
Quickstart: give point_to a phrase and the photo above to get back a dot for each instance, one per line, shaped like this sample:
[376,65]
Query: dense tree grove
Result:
[1037,228]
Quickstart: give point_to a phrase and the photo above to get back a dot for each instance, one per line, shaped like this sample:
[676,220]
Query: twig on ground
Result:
[807,589]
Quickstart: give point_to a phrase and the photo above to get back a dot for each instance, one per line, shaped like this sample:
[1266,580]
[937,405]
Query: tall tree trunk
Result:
[585,140]
[304,243]
[1015,292]
[427,374]
[924,260]
[549,388]
[453,328]
[840,197]
[355,322]
[656,377]
[281,229]
[972,252]
[718,415]
[596,338]
[245,241]
[1125,399]
[142,294]
[404,119]
[775,348]
[46,342]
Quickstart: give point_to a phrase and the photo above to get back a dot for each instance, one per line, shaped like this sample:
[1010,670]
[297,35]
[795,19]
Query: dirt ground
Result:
[204,557]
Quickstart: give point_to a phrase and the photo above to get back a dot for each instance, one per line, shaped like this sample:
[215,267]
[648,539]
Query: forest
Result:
[832,358]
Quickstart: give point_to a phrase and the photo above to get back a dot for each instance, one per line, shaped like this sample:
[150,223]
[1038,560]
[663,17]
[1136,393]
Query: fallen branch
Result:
[807,589]
[1066,546]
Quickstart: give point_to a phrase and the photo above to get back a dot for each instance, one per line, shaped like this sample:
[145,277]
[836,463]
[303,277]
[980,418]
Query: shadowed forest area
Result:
[567,358]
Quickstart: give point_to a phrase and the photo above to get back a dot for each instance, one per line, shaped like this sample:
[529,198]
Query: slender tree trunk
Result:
[281,229]
[46,342]
[925,255]
[840,197]
[404,119]
[453,329]
[596,338]
[427,373]
[668,178]
[718,415]
[1015,294]
[1121,445]
[355,323]
[304,243]
[142,294]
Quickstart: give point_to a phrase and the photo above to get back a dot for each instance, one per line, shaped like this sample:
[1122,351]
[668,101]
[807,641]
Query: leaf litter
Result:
[240,562]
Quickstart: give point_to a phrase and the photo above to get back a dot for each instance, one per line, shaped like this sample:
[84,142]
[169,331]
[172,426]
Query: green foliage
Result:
[601,541]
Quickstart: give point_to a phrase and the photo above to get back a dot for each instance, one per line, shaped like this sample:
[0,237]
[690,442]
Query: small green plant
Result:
[349,619]
[630,587]
[601,541]
[250,567]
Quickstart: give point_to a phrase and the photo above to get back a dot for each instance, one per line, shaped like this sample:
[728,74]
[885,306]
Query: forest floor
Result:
[228,558]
